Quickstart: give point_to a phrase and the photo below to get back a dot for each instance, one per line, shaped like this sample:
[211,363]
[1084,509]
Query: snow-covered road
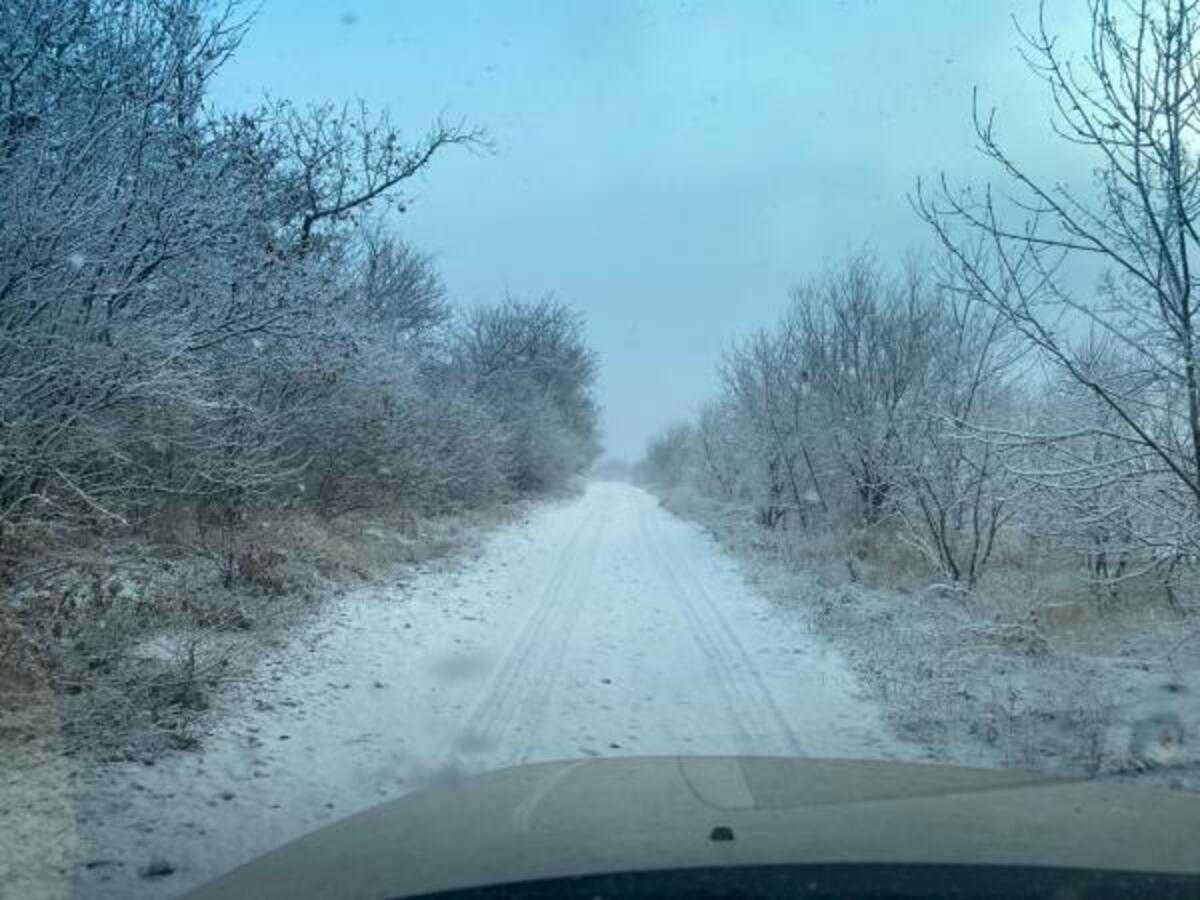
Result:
[599,626]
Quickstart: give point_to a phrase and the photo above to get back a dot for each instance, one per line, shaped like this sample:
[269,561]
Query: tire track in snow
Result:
[516,699]
[757,716]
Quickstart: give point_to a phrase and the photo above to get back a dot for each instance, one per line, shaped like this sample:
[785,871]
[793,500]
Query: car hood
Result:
[597,816]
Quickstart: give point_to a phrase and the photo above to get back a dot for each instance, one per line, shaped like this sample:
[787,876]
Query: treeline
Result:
[206,309]
[872,402]
[998,394]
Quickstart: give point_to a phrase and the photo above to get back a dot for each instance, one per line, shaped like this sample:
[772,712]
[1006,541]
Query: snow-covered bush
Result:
[207,320]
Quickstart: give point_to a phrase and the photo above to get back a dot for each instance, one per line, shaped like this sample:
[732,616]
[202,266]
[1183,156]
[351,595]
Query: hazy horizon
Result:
[670,170]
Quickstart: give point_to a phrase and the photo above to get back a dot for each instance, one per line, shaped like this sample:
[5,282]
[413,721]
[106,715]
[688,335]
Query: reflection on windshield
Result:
[389,399]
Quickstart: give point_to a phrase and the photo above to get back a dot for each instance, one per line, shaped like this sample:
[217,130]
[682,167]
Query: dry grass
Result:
[1035,668]
[133,633]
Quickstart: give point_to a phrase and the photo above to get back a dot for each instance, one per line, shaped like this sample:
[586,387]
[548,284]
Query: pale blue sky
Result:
[669,168]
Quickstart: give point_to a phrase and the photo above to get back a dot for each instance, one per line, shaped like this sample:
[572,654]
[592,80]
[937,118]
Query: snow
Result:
[600,626]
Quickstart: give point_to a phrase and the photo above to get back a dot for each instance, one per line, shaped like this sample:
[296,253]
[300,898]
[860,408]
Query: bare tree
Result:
[958,491]
[865,348]
[342,160]
[1131,104]
[716,433]
[765,378]
[394,287]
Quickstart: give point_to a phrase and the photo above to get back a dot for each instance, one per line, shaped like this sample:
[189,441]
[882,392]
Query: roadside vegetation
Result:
[979,469]
[227,383]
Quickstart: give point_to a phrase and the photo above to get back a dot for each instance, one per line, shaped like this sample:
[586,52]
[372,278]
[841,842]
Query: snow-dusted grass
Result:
[135,633]
[143,649]
[593,626]
[1033,669]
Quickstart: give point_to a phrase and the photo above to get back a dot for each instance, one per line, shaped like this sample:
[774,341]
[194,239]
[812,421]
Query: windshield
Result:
[394,393]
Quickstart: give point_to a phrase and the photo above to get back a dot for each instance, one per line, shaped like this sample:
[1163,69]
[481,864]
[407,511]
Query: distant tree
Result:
[531,366]
[612,468]
[669,457]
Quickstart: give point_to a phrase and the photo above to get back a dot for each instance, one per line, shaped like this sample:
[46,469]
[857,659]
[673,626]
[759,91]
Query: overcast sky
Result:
[668,168]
